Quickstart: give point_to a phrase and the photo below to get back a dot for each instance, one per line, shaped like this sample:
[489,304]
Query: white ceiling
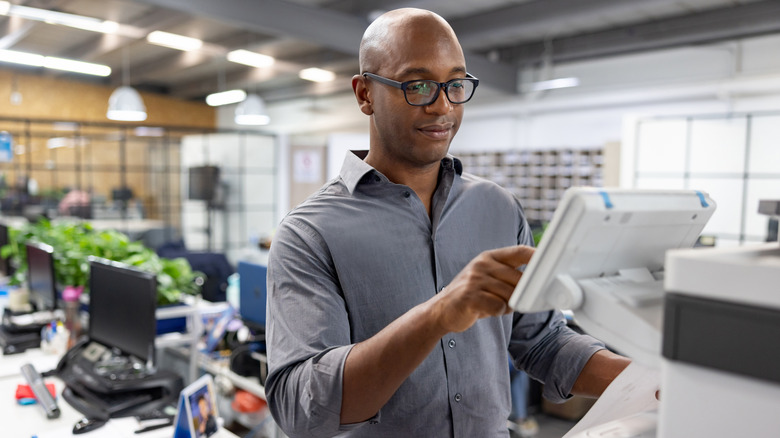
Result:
[499,36]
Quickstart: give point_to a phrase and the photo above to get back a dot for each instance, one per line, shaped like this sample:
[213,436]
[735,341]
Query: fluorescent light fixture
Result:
[86,68]
[226,97]
[24,58]
[252,111]
[315,74]
[252,59]
[125,104]
[178,42]
[553,84]
[61,18]
[52,62]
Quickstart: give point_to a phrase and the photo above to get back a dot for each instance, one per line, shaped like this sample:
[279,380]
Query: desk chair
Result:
[215,265]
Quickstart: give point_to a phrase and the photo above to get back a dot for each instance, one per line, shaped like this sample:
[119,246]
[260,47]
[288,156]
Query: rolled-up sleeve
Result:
[548,350]
[307,334]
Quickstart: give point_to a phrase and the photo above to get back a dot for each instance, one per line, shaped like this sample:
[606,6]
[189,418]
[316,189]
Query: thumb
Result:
[514,256]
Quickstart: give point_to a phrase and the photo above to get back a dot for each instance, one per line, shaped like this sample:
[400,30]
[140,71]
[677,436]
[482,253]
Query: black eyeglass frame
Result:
[439,86]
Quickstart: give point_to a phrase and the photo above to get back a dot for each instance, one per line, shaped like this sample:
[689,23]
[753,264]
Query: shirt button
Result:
[451,343]
[407,194]
[458,397]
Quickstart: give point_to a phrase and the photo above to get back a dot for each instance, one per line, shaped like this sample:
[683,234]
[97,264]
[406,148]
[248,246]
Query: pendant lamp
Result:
[252,111]
[125,104]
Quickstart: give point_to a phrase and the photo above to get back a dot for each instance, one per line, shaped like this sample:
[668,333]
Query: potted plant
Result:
[74,242]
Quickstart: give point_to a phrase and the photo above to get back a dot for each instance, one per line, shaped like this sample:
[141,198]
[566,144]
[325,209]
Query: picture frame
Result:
[197,415]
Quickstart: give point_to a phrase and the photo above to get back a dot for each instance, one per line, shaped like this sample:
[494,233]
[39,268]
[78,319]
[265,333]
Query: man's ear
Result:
[362,94]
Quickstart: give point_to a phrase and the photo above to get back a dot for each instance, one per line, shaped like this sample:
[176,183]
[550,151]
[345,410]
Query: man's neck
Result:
[422,180]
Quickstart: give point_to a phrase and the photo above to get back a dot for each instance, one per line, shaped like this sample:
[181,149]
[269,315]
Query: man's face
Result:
[204,407]
[416,135]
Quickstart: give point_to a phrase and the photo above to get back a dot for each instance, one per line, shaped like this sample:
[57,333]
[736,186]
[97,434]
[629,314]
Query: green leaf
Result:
[73,243]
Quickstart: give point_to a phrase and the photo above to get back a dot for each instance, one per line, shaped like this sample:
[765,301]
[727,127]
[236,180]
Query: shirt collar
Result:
[354,168]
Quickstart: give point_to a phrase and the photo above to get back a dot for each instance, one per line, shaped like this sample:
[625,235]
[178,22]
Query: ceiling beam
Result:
[711,26]
[101,44]
[14,34]
[334,30]
[267,81]
[488,29]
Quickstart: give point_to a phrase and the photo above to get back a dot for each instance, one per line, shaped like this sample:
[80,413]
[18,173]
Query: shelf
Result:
[538,177]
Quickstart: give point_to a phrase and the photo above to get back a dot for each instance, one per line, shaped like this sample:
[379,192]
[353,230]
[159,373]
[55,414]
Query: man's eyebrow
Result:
[423,71]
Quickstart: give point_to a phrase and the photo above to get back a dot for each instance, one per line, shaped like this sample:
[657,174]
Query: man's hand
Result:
[482,288]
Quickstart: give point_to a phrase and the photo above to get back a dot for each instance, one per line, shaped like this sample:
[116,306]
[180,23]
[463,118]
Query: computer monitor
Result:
[6,268]
[252,294]
[122,306]
[40,276]
[602,257]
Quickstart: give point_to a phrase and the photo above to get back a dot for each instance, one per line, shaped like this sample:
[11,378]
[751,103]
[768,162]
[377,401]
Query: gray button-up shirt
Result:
[363,251]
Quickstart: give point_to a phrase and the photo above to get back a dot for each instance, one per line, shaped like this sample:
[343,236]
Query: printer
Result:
[720,368]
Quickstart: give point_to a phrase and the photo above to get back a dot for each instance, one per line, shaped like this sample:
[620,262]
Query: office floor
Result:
[552,427]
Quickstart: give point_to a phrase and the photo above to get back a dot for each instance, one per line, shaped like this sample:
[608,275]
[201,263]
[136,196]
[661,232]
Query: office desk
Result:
[30,420]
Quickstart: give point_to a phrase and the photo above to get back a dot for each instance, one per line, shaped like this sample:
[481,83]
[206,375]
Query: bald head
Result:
[402,30]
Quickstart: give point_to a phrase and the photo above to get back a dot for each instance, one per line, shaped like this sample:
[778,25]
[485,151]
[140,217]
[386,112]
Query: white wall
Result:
[338,145]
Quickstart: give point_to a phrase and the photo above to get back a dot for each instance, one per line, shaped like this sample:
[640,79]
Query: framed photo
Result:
[197,416]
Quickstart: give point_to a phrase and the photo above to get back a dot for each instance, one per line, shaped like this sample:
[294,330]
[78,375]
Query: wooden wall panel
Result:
[45,96]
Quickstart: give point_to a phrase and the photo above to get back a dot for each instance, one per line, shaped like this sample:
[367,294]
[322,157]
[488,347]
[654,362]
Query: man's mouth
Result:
[437,131]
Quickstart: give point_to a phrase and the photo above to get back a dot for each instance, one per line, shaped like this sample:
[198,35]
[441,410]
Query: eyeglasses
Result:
[424,92]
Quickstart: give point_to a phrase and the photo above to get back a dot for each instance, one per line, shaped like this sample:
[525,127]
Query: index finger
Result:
[514,256]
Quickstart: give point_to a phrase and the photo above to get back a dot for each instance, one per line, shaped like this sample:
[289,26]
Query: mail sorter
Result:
[102,384]
[112,373]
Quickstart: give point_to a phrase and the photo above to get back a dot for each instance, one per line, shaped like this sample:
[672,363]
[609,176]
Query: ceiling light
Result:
[317,75]
[225,97]
[15,57]
[61,18]
[178,42]
[252,111]
[553,84]
[87,68]
[125,104]
[251,59]
[52,62]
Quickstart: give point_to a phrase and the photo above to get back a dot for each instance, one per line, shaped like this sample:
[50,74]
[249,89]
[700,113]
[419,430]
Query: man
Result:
[207,425]
[388,289]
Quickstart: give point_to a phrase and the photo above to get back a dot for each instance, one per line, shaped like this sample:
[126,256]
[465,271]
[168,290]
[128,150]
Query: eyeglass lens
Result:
[425,92]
